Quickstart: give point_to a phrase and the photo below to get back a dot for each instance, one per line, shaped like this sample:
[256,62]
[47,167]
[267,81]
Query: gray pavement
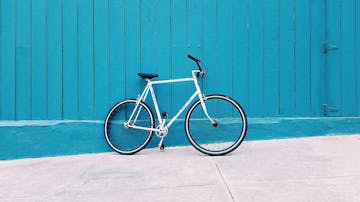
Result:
[305,169]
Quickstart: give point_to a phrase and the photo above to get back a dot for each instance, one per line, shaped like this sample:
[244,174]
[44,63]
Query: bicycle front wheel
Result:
[122,138]
[223,133]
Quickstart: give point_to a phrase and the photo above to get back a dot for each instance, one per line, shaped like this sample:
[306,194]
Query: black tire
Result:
[125,140]
[220,138]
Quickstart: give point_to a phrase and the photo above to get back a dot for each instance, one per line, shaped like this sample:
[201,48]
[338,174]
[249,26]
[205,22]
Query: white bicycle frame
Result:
[162,128]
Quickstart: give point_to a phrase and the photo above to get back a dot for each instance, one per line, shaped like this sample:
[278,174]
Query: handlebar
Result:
[197,61]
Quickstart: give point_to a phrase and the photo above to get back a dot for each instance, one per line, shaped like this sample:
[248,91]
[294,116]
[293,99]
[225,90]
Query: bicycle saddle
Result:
[147,76]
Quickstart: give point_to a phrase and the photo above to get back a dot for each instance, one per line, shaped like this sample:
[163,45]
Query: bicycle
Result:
[214,124]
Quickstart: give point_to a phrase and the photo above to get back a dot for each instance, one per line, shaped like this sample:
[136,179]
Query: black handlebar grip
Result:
[193,58]
[197,63]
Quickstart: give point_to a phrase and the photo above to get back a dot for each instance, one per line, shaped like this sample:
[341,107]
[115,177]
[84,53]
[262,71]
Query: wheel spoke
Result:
[128,140]
[221,137]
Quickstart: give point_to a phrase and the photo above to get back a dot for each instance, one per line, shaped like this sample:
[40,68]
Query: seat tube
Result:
[155,104]
[140,98]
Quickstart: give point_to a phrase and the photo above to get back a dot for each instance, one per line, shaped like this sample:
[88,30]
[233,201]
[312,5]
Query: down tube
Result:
[182,109]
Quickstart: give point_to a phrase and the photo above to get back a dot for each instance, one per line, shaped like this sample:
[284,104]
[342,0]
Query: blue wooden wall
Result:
[73,59]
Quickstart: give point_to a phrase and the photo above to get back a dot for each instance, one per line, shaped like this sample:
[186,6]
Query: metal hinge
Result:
[327,47]
[327,109]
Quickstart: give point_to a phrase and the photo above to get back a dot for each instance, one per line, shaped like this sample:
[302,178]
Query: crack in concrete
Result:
[224,181]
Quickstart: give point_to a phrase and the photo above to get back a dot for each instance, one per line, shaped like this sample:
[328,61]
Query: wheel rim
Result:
[222,137]
[123,139]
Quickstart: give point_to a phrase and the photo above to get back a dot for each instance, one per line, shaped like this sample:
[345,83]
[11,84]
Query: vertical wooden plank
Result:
[271,58]
[1,33]
[101,43]
[132,47]
[86,59]
[23,60]
[193,40]
[348,58]
[256,74]
[117,62]
[333,60]
[302,57]
[240,55]
[7,60]
[317,57]
[70,60]
[54,59]
[147,44]
[225,53]
[147,37]
[357,30]
[39,84]
[181,91]
[210,45]
[163,52]
[286,66]
[194,30]
[225,47]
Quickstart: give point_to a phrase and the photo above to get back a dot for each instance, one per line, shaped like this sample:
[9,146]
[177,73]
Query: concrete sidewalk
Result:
[306,169]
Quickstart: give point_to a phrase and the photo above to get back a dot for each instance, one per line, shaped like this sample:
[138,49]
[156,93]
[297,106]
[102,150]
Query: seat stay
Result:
[142,97]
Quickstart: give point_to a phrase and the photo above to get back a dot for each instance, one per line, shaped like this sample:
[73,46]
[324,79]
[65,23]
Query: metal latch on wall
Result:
[327,109]
[327,47]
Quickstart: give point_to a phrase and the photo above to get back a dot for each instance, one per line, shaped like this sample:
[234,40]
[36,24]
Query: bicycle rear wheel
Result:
[122,138]
[222,136]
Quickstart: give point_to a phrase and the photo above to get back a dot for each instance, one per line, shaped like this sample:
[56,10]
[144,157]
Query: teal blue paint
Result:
[333,58]
[23,60]
[357,56]
[132,48]
[65,59]
[271,58]
[29,139]
[318,70]
[256,59]
[287,58]
[194,28]
[225,50]
[7,60]
[38,60]
[71,57]
[101,49]
[50,138]
[147,52]
[147,13]
[163,52]
[70,60]
[347,52]
[193,37]
[117,55]
[180,69]
[23,83]
[240,55]
[86,60]
[210,46]
[302,58]
[54,60]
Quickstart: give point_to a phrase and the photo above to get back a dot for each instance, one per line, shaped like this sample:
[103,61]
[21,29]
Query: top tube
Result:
[177,80]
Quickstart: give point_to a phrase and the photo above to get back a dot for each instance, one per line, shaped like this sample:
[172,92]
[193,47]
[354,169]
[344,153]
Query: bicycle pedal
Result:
[164,115]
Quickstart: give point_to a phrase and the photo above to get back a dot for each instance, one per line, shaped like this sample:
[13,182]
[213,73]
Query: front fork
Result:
[201,98]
